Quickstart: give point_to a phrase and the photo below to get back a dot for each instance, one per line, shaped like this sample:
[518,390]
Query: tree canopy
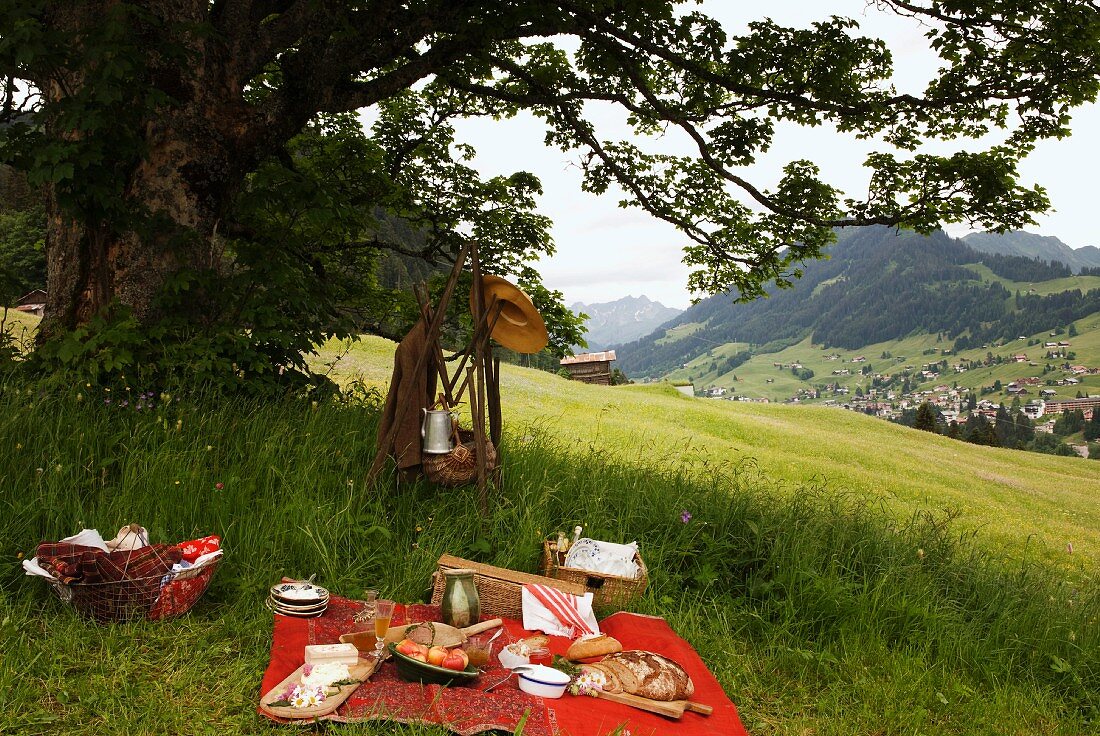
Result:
[169,134]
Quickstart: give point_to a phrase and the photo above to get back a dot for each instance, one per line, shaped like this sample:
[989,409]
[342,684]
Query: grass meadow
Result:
[839,575]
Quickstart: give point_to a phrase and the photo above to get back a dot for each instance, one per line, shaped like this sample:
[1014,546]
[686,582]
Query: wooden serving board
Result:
[669,708]
[361,671]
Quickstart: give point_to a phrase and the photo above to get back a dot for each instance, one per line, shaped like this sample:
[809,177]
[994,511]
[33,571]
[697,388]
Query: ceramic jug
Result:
[461,606]
[436,431]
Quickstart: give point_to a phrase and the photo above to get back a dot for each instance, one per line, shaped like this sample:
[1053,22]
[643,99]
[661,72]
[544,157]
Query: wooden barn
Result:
[590,367]
[33,302]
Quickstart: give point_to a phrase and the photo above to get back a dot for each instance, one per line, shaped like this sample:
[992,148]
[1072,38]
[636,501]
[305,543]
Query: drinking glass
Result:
[383,612]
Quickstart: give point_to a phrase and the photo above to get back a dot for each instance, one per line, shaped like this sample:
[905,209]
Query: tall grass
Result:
[816,609]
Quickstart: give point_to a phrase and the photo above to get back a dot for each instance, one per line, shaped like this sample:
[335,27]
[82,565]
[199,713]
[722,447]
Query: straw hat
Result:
[520,326]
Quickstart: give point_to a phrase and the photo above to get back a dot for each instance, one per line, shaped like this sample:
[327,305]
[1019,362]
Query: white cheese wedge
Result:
[332,653]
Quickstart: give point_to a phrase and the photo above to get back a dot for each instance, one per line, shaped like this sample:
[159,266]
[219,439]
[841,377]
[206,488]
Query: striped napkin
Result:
[553,612]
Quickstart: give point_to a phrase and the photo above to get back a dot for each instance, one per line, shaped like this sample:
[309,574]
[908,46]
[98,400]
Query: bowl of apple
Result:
[432,665]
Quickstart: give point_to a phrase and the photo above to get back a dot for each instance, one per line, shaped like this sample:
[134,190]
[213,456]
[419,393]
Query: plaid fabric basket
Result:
[126,585]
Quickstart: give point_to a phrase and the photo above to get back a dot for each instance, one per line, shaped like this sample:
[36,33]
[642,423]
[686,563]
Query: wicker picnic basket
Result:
[607,590]
[459,466]
[499,589]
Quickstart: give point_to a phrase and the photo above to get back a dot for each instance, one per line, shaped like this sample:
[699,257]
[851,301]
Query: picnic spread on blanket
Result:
[635,674]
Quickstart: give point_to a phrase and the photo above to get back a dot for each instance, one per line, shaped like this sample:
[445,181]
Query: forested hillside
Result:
[879,285]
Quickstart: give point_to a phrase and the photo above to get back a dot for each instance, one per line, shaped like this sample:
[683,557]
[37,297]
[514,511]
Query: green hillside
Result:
[760,378]
[1042,288]
[1016,501]
[902,302]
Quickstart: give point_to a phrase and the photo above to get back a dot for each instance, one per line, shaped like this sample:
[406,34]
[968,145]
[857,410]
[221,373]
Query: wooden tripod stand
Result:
[481,368]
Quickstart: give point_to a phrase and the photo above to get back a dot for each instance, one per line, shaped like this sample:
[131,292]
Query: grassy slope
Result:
[1042,288]
[1014,498]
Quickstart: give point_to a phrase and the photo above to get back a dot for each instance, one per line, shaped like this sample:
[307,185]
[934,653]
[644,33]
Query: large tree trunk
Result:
[193,163]
[183,185]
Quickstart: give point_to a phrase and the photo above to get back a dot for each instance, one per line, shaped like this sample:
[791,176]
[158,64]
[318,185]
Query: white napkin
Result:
[603,557]
[571,615]
[88,538]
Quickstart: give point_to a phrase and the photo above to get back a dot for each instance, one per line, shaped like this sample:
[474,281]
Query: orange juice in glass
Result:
[383,612]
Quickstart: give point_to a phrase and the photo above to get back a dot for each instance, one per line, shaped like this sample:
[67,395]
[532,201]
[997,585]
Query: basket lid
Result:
[459,571]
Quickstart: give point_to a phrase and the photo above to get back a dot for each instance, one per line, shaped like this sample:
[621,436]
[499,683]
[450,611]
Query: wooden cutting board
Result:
[669,708]
[361,671]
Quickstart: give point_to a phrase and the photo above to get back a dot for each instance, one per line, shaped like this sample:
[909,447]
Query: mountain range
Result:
[878,285]
[1032,245]
[622,320]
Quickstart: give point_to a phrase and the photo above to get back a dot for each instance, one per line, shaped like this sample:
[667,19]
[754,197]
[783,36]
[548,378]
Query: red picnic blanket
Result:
[468,710]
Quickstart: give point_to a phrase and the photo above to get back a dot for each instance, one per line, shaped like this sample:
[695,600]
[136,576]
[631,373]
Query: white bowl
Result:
[509,660]
[543,681]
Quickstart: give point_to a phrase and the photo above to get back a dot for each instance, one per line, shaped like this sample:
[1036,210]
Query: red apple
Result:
[455,660]
[410,648]
[462,653]
[436,655]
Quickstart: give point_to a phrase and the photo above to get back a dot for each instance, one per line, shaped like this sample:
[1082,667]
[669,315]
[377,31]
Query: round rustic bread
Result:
[611,681]
[650,675]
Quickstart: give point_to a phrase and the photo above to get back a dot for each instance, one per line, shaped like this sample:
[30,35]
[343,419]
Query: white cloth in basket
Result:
[603,557]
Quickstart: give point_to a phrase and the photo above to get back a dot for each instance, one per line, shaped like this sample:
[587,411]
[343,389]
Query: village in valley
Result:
[1041,378]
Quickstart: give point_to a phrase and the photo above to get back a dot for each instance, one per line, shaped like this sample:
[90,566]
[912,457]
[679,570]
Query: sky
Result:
[605,252]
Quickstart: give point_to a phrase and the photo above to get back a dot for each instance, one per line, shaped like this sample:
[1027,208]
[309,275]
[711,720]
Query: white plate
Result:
[299,593]
[298,604]
[292,613]
[603,557]
[313,608]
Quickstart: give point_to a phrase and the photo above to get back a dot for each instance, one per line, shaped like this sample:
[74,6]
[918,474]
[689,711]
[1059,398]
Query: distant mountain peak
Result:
[623,320]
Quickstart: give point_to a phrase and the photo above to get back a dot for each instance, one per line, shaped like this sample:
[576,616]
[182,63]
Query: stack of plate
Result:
[300,600]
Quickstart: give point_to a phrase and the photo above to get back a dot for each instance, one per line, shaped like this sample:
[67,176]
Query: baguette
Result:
[595,646]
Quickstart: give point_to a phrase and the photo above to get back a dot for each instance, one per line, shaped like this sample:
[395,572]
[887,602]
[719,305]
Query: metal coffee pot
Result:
[436,431]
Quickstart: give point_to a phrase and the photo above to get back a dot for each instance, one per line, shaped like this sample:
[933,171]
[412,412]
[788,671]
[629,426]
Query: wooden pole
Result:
[495,420]
[440,362]
[495,309]
[477,404]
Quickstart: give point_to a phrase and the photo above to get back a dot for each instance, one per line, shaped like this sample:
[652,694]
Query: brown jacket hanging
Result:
[410,391]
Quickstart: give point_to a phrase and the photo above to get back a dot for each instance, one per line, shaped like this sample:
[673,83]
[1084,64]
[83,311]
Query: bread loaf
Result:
[610,681]
[593,646]
[649,675]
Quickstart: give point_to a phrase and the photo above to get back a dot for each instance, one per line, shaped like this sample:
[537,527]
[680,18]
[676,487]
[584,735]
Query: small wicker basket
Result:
[459,466]
[611,591]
